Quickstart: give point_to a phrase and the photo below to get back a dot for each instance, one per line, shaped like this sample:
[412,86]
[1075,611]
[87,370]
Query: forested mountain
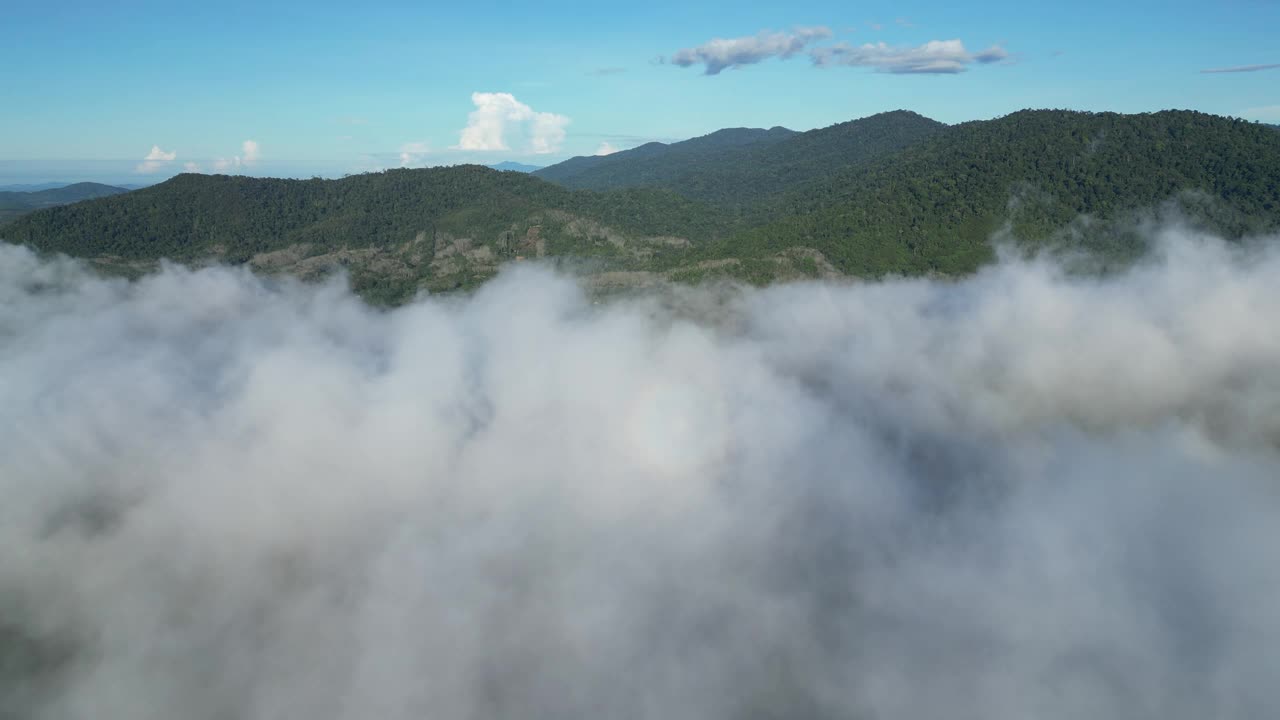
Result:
[896,193]
[15,203]
[450,224]
[659,164]
[737,175]
[934,206]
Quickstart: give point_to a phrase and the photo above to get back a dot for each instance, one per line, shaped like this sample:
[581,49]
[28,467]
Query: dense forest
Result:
[894,193]
[934,206]
[736,168]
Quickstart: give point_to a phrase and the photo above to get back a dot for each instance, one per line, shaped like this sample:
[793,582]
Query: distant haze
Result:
[1024,494]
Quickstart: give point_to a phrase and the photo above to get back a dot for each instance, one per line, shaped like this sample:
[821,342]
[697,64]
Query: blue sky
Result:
[91,90]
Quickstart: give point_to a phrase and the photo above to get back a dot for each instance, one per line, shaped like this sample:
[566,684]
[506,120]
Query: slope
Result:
[934,207]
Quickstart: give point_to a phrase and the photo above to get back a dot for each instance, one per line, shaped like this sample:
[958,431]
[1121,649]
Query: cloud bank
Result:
[498,115]
[1023,494]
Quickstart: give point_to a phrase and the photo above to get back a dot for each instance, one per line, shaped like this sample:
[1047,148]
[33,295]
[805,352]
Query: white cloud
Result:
[155,160]
[548,132]
[934,57]
[499,114]
[250,152]
[191,167]
[720,54]
[717,502]
[413,154]
[606,149]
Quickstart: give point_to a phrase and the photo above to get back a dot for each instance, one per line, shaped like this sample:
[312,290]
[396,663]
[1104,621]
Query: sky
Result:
[135,92]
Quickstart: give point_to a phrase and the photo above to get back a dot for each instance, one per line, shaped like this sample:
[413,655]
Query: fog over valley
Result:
[1020,493]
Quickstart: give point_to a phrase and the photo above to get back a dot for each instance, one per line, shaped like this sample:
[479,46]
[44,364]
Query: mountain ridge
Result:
[727,168]
[902,195]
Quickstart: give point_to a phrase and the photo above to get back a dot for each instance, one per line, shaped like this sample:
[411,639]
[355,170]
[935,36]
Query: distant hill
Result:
[16,203]
[443,226]
[894,193]
[516,167]
[737,168]
[32,187]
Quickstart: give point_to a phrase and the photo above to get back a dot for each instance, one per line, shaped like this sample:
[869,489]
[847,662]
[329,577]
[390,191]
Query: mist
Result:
[1027,493]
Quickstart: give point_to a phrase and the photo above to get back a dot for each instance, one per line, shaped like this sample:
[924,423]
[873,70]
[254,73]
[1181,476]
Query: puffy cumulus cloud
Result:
[413,154]
[498,115]
[720,54]
[934,57]
[606,148]
[156,160]
[1022,494]
[191,167]
[250,152]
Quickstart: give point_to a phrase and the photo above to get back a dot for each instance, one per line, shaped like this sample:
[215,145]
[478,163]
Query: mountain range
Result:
[890,193]
[14,203]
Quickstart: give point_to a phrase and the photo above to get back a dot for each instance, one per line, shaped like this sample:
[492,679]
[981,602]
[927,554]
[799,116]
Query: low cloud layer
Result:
[945,57]
[500,115]
[1023,494]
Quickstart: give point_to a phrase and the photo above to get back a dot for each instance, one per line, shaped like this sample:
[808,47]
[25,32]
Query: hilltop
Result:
[738,167]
